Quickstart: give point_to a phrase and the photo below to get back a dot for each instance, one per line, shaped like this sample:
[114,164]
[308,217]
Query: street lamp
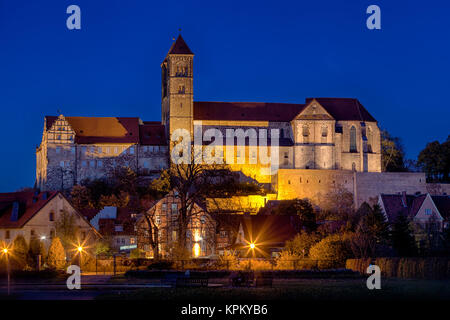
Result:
[252,245]
[6,253]
[80,252]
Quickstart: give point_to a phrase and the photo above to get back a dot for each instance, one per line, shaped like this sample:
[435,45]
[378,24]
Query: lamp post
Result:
[80,252]
[6,252]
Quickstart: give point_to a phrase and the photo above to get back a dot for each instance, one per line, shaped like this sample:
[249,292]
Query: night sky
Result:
[268,51]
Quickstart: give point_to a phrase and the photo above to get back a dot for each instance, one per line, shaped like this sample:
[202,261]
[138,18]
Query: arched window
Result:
[353,166]
[353,139]
[324,134]
[51,216]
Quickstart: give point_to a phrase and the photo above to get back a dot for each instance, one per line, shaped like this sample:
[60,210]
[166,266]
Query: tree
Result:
[434,159]
[372,231]
[36,249]
[56,255]
[303,209]
[401,236]
[80,197]
[20,250]
[337,204]
[66,229]
[331,251]
[302,243]
[150,231]
[191,183]
[392,153]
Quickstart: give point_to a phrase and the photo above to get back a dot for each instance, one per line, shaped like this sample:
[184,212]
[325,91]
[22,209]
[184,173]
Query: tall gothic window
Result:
[369,139]
[353,139]
[324,134]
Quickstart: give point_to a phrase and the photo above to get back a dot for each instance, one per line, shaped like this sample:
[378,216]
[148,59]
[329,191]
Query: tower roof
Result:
[179,47]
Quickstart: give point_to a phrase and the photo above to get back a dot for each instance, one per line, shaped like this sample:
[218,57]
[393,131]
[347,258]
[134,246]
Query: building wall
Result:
[41,226]
[61,163]
[365,186]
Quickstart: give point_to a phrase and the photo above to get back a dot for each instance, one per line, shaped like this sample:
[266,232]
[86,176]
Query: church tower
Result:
[177,88]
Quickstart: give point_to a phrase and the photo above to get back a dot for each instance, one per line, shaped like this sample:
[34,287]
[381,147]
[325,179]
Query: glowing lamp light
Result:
[196,250]
[43,238]
[5,250]
[252,246]
[80,249]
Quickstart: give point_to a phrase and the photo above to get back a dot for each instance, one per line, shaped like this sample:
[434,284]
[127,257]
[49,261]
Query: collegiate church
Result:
[323,142]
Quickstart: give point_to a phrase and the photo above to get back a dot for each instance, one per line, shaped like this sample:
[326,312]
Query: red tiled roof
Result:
[152,133]
[179,47]
[395,206]
[29,205]
[90,130]
[123,218]
[344,108]
[246,111]
[339,108]
[102,129]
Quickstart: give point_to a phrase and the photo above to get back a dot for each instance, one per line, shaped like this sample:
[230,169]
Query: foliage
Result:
[66,229]
[56,255]
[401,236]
[392,153]
[20,253]
[36,248]
[372,231]
[102,247]
[300,245]
[434,159]
[80,197]
[255,264]
[285,260]
[331,252]
[121,200]
[228,261]
[136,253]
[337,203]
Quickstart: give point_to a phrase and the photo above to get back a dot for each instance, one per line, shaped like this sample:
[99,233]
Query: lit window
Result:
[151,148]
[428,211]
[72,150]
[131,150]
[99,163]
[99,149]
[92,164]
[84,163]
[83,150]
[116,150]
[146,164]
[203,219]
[156,149]
[107,150]
[174,208]
[132,240]
[61,164]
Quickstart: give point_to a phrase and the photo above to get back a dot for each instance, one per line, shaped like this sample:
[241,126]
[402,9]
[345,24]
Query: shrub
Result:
[56,255]
[20,253]
[359,265]
[255,264]
[286,260]
[330,252]
[228,261]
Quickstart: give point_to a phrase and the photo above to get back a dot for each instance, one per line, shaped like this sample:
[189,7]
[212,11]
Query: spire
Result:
[179,47]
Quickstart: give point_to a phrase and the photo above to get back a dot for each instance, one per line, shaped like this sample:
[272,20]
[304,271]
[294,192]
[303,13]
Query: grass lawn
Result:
[302,289]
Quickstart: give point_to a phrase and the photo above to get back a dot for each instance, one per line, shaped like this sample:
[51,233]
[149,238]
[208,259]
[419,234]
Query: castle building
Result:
[336,134]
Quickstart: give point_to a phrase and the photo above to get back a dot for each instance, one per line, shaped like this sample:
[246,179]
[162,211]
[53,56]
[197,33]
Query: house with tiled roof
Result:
[427,213]
[35,215]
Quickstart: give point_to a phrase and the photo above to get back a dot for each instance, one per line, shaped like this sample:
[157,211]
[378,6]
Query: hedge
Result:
[405,268]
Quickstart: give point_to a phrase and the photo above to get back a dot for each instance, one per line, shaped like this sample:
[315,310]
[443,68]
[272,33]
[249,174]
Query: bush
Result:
[19,253]
[406,268]
[330,252]
[228,261]
[56,258]
[255,264]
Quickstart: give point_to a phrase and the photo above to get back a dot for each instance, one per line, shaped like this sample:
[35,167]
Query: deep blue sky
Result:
[272,51]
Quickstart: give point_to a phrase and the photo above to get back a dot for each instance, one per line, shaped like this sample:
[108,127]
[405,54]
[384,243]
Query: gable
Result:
[427,204]
[314,111]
